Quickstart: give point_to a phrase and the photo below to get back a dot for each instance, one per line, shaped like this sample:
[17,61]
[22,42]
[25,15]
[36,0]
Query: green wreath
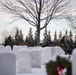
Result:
[51,66]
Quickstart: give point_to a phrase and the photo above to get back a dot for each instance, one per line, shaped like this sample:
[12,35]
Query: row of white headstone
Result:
[24,59]
[27,58]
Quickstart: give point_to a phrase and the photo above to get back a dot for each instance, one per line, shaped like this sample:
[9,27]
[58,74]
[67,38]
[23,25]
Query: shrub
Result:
[52,66]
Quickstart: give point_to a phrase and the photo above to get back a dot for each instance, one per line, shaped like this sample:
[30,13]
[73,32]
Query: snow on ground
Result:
[37,71]
[74,51]
[47,54]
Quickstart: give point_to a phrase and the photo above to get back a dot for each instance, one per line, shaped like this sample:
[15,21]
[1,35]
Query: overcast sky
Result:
[53,25]
[61,25]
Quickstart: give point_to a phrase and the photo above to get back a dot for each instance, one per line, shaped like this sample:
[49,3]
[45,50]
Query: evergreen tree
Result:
[21,37]
[66,35]
[30,35]
[48,38]
[75,38]
[29,38]
[18,37]
[6,42]
[26,40]
[9,41]
[70,35]
[60,35]
[45,37]
[74,44]
[55,41]
[35,39]
[71,43]
[55,36]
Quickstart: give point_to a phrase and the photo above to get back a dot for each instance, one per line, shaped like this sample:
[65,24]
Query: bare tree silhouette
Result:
[37,13]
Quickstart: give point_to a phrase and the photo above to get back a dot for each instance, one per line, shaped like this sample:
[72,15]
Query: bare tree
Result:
[36,12]
[71,22]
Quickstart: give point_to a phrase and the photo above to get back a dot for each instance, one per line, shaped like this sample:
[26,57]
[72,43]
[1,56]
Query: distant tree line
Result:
[64,41]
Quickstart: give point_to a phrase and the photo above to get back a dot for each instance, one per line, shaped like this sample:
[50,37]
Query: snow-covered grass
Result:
[46,54]
[37,71]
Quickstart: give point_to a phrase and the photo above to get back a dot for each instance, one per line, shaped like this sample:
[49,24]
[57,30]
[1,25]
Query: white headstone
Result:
[74,51]
[74,62]
[52,51]
[24,62]
[45,55]
[16,49]
[7,63]
[36,58]
[58,51]
[1,47]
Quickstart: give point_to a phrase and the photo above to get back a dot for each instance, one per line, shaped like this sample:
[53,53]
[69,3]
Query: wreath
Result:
[61,66]
[61,70]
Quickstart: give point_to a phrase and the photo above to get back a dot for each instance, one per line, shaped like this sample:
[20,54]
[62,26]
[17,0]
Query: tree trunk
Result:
[38,29]
[38,36]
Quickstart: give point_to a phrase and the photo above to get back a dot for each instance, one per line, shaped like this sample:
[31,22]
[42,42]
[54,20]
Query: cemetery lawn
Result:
[35,59]
[37,71]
